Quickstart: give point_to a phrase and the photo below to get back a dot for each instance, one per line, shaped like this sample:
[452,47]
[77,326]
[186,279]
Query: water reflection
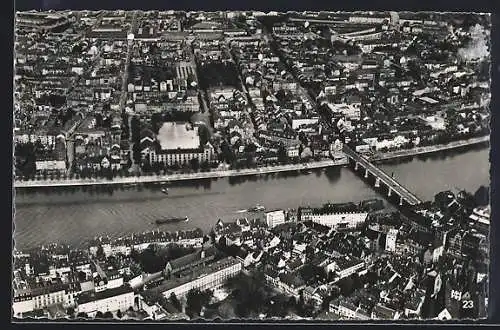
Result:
[333,174]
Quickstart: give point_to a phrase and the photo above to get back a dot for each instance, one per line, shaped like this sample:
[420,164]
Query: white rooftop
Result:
[178,136]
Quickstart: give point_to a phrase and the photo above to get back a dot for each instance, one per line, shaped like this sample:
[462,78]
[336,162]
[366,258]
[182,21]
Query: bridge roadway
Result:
[393,185]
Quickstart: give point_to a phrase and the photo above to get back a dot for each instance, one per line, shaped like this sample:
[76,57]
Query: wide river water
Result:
[75,215]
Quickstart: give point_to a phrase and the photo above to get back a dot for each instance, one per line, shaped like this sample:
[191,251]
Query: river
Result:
[75,215]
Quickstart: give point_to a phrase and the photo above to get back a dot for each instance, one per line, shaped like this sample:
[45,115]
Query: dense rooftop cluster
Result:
[394,266]
[389,82]
[93,89]
[382,264]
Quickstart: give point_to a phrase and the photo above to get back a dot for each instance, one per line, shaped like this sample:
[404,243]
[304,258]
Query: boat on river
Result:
[171,220]
[257,208]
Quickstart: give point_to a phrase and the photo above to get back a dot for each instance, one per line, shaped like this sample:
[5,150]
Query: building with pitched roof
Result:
[195,259]
[111,300]
[38,298]
[202,277]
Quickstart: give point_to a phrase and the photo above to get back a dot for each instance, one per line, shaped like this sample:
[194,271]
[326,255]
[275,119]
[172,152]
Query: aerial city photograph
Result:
[174,166]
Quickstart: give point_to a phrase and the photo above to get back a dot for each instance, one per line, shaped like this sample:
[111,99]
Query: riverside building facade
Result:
[111,300]
[336,220]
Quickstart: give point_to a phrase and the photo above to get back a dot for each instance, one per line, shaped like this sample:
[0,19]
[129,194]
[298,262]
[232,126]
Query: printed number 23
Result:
[467,304]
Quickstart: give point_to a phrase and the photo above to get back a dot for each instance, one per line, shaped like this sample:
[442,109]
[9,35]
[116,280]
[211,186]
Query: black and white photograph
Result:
[185,166]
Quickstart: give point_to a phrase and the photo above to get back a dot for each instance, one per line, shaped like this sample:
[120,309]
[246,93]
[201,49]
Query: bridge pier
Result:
[360,162]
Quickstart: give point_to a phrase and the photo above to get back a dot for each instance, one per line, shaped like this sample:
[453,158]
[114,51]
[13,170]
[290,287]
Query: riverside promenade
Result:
[179,177]
[254,171]
[428,149]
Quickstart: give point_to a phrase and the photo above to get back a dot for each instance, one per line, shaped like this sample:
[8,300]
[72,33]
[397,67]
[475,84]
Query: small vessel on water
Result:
[164,187]
[257,208]
[171,220]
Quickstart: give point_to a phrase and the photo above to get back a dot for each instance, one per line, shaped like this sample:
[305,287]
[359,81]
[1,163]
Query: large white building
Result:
[179,143]
[275,218]
[39,298]
[211,276]
[174,135]
[182,156]
[341,220]
[22,304]
[111,300]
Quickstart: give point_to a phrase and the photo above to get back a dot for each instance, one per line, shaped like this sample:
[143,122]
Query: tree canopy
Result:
[196,300]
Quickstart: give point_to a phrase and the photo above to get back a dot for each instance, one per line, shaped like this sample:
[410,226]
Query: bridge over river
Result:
[378,176]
